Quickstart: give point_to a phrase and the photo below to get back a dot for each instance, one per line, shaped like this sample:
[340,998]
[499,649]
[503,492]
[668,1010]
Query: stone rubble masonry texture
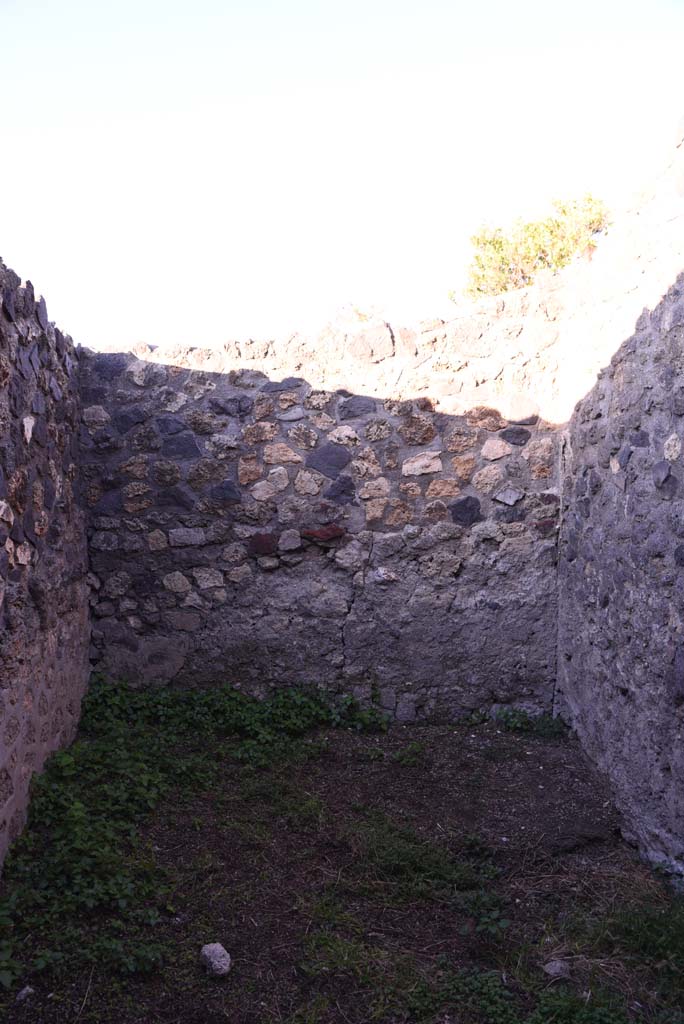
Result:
[264,533]
[621,579]
[43,561]
[375,510]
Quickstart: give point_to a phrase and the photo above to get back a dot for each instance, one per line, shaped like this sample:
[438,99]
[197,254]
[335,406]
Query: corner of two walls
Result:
[43,560]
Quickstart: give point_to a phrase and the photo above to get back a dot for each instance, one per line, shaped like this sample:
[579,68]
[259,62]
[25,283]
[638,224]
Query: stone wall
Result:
[385,522]
[43,592]
[537,350]
[621,585]
[260,532]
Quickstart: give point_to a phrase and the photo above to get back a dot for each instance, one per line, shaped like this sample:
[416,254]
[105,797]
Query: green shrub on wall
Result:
[504,261]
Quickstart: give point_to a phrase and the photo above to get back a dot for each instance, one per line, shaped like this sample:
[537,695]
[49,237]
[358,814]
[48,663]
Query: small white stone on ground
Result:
[215,959]
[557,969]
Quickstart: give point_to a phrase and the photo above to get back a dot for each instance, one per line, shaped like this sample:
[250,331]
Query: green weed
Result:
[544,726]
[651,936]
[395,866]
[396,987]
[410,755]
[79,877]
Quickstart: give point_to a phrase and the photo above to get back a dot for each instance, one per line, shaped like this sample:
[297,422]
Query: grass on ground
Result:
[355,873]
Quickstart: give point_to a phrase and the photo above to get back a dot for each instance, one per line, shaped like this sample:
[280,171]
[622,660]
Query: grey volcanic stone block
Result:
[110,502]
[516,435]
[466,511]
[180,446]
[356,406]
[177,497]
[125,419]
[108,366]
[168,425]
[239,406]
[273,387]
[639,439]
[661,472]
[342,491]
[226,493]
[329,459]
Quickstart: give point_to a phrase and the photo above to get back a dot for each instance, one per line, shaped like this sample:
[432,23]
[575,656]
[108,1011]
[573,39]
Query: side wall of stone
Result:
[43,565]
[621,578]
[260,532]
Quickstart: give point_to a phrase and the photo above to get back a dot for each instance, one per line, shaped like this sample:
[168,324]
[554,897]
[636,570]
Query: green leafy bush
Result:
[503,261]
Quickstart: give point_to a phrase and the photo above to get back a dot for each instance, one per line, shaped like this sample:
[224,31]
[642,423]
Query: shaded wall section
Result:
[262,532]
[43,593]
[621,578]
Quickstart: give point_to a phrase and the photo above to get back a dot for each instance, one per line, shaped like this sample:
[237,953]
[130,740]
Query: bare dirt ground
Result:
[424,874]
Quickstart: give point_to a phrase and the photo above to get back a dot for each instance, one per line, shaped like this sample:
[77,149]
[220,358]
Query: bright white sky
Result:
[191,172]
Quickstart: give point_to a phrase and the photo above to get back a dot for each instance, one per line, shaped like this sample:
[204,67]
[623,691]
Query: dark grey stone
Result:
[41,313]
[288,384]
[238,406]
[624,455]
[110,502]
[329,459]
[17,532]
[678,401]
[108,365]
[669,489]
[639,439]
[34,358]
[105,440]
[177,497]
[24,364]
[356,406]
[129,417]
[516,435]
[180,446]
[677,678]
[38,404]
[466,511]
[9,302]
[342,491]
[510,515]
[661,471]
[169,425]
[226,493]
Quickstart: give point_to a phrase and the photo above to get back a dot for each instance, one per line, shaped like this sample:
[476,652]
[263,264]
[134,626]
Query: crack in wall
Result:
[355,593]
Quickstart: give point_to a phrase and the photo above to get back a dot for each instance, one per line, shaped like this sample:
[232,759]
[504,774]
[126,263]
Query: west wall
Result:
[264,532]
[621,578]
[43,563]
